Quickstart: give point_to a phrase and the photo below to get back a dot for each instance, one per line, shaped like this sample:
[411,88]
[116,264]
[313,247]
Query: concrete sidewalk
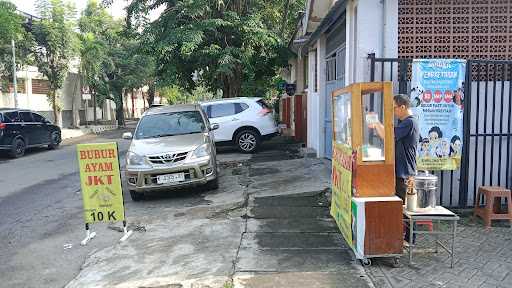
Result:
[291,241]
[266,226]
[68,133]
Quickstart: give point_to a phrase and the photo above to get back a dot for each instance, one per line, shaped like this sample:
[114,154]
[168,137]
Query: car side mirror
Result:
[127,135]
[45,121]
[214,126]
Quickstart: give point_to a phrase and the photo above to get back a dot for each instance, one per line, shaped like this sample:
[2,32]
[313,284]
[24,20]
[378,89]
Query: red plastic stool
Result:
[491,210]
[427,223]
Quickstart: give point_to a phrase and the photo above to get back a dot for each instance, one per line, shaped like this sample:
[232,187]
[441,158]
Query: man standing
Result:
[406,142]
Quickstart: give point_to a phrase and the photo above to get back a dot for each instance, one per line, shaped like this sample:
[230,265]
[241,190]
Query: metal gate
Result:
[487,125]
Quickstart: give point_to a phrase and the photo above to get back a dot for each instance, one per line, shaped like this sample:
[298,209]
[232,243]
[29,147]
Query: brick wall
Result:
[466,29]
[39,86]
[21,86]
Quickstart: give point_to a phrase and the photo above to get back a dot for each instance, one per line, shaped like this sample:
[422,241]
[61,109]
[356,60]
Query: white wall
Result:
[36,102]
[372,28]
[321,95]
[313,106]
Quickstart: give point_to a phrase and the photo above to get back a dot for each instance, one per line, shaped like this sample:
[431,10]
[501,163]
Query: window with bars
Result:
[330,65]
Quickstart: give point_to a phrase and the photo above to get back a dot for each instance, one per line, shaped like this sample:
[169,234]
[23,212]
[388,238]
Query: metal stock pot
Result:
[426,186]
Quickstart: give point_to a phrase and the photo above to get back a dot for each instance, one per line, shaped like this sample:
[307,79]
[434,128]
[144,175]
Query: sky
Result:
[116,9]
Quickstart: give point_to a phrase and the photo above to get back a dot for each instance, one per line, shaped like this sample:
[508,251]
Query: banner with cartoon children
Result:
[437,99]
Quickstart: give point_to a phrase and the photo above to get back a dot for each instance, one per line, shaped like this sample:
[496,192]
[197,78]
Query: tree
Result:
[112,60]
[233,44]
[55,45]
[127,69]
[11,28]
[96,31]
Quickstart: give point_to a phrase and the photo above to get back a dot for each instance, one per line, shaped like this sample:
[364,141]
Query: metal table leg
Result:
[436,235]
[411,237]
[453,241]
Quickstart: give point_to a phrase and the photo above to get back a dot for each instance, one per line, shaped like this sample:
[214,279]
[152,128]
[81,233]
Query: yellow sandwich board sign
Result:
[100,179]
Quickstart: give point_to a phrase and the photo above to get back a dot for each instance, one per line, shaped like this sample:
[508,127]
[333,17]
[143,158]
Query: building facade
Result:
[358,40]
[332,43]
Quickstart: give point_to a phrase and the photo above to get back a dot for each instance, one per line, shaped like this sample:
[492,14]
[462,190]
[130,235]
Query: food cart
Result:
[364,205]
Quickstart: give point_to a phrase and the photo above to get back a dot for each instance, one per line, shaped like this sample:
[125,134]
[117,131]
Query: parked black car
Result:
[21,129]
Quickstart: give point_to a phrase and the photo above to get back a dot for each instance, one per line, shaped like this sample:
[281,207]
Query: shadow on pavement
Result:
[4,157]
[196,194]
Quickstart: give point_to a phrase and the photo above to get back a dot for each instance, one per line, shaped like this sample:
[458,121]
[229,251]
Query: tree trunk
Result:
[53,97]
[133,103]
[151,94]
[94,107]
[232,84]
[74,107]
[120,111]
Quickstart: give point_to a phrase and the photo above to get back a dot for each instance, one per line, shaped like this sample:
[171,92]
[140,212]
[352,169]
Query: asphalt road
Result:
[41,222]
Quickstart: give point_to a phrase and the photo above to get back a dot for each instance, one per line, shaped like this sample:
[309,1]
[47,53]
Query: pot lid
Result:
[425,176]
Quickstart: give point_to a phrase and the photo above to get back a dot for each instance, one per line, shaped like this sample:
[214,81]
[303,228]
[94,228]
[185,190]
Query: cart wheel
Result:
[366,262]
[396,262]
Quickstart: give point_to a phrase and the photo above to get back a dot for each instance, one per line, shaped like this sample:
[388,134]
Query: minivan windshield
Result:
[170,124]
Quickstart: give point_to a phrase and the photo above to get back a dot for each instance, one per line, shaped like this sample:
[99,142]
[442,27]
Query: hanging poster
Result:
[437,100]
[341,209]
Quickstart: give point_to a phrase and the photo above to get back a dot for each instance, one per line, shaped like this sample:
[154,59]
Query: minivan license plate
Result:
[170,178]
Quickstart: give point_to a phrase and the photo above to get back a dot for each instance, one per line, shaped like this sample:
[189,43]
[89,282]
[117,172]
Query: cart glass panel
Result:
[373,110]
[342,119]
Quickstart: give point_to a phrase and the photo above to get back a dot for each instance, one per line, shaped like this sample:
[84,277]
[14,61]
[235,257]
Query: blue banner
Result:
[437,100]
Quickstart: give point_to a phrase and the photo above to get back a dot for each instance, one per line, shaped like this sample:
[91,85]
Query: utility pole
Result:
[14,82]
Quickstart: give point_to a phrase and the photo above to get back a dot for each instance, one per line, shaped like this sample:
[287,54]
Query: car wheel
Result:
[18,148]
[213,184]
[136,196]
[247,141]
[54,140]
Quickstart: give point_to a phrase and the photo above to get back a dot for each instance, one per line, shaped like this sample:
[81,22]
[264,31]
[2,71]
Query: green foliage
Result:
[11,29]
[236,45]
[175,95]
[97,31]
[55,44]
[112,60]
[10,23]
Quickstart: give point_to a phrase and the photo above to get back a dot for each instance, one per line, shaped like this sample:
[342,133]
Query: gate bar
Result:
[463,185]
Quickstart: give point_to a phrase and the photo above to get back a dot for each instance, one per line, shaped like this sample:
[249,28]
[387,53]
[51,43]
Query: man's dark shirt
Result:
[406,142]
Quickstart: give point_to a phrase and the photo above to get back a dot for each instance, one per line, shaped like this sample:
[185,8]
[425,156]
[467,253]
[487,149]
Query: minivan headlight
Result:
[201,151]
[133,159]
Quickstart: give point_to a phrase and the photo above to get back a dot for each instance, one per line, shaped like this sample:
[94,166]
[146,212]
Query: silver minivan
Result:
[172,146]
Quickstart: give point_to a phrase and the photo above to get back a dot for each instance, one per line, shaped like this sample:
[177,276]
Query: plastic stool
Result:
[427,223]
[492,209]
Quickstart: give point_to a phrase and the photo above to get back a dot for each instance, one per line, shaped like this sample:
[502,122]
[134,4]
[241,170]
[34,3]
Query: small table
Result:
[432,214]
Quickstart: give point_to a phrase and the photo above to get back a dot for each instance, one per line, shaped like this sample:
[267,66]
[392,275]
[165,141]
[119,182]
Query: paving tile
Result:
[293,241]
[397,281]
[288,212]
[321,225]
[482,259]
[298,260]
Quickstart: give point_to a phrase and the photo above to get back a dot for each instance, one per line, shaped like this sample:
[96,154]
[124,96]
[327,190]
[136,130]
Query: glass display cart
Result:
[364,204]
